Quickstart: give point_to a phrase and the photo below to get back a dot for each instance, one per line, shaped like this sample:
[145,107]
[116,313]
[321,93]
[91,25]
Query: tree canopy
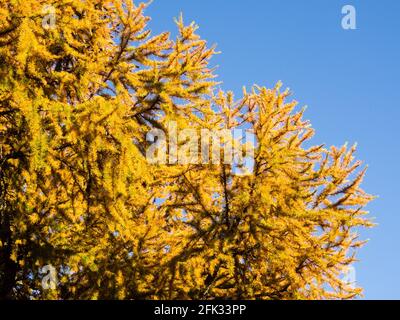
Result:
[78,100]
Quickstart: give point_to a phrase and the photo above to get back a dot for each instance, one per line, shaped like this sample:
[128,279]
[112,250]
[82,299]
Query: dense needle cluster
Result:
[77,192]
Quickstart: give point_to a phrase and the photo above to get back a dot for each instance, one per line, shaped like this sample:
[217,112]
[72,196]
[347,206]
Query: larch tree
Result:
[79,98]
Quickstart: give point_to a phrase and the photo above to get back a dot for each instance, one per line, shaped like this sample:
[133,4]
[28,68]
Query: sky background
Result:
[349,79]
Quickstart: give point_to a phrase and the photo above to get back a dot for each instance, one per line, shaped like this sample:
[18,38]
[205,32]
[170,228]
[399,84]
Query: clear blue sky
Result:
[349,79]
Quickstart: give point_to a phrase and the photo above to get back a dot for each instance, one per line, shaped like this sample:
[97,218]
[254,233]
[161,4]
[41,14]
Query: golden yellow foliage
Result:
[77,192]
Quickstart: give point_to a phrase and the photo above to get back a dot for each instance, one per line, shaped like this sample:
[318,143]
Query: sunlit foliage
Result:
[77,192]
